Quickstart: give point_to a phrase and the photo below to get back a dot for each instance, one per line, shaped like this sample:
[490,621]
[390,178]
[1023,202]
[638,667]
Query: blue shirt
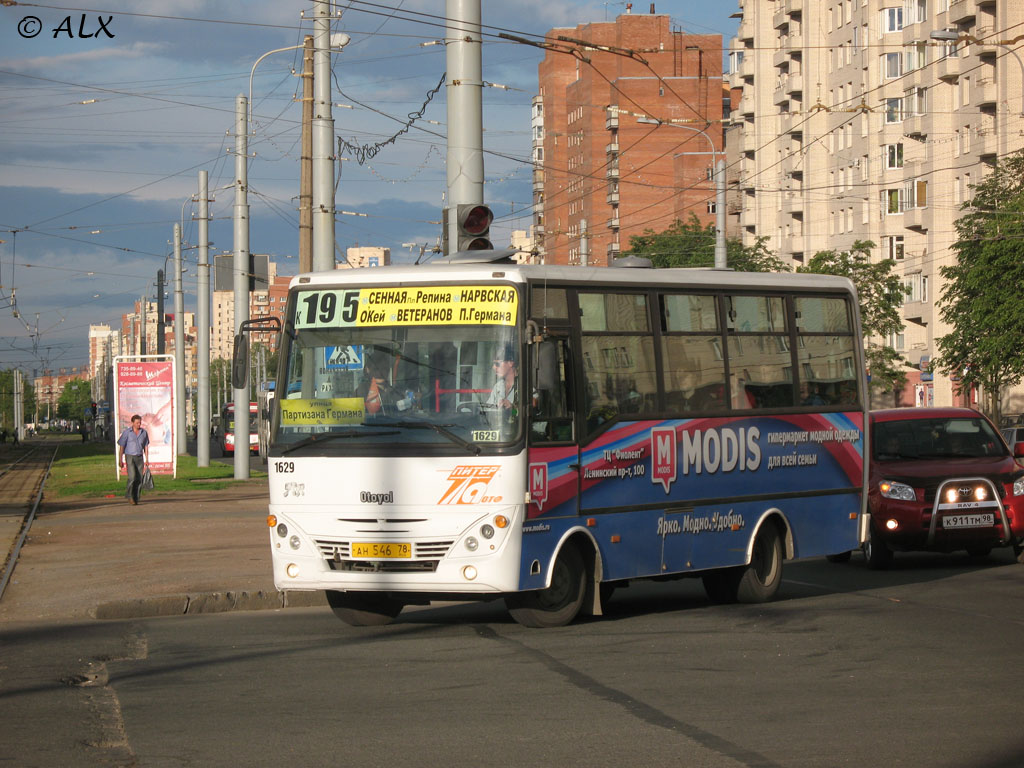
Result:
[133,444]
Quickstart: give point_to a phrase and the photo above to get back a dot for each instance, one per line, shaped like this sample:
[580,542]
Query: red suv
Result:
[941,479]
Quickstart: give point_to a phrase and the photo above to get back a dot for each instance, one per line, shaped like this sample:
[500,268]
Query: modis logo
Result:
[469,485]
[538,484]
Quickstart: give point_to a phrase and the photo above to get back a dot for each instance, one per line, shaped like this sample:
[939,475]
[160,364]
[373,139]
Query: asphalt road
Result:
[917,666]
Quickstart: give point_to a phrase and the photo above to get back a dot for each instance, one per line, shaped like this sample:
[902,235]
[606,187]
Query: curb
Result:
[206,602]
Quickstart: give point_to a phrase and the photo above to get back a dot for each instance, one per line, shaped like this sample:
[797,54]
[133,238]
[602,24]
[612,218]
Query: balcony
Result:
[612,148]
[780,96]
[947,69]
[795,84]
[794,6]
[961,11]
[780,57]
[914,126]
[984,92]
[613,251]
[613,223]
[794,204]
[913,312]
[986,143]
[612,172]
[748,216]
[747,108]
[612,198]
[611,122]
[917,219]
[780,18]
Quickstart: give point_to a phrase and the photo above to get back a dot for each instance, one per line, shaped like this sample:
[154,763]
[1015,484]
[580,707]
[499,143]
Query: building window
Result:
[893,247]
[915,193]
[894,110]
[892,20]
[891,65]
[712,207]
[914,101]
[892,201]
[893,155]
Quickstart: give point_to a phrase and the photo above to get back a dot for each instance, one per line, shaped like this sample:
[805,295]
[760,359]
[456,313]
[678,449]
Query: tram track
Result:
[21,492]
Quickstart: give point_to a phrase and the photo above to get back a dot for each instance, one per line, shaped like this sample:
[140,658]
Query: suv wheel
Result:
[876,552]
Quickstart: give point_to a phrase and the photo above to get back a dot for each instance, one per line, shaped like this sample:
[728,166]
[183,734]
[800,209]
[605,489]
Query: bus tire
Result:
[362,609]
[756,582]
[557,605]
[761,578]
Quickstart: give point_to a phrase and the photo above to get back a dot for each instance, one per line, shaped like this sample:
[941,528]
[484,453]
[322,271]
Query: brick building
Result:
[599,171]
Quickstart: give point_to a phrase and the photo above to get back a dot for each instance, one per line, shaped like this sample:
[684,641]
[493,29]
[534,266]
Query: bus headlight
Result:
[282,530]
[292,570]
[294,542]
[487,531]
[1018,486]
[472,543]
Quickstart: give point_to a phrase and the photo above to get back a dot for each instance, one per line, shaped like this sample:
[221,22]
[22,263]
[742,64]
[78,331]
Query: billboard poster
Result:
[145,386]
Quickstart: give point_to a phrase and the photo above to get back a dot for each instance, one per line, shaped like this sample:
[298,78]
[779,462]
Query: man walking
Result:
[133,444]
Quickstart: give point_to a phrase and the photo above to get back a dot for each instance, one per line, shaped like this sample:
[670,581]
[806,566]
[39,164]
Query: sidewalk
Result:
[175,553]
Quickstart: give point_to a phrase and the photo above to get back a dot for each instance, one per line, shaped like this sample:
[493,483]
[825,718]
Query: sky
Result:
[108,114]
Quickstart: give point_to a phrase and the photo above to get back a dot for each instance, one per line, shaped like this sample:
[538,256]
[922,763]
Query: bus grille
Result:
[425,557]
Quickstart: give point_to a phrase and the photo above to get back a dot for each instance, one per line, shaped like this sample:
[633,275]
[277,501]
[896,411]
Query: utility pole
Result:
[203,327]
[306,161]
[584,244]
[179,347]
[144,319]
[161,344]
[720,254]
[465,111]
[241,275]
[323,150]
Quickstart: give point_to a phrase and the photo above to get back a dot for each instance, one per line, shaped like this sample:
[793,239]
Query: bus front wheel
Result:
[557,605]
[360,609]
[756,582]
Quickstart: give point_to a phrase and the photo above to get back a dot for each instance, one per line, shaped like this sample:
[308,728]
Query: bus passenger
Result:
[378,396]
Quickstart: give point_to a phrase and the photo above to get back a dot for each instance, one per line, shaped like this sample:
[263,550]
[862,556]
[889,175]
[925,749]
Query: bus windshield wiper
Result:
[326,436]
[441,429]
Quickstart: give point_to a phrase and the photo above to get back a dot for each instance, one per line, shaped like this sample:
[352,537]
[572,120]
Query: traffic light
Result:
[474,222]
[94,411]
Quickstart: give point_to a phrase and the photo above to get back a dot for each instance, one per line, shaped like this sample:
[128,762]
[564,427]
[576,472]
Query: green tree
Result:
[692,244]
[74,399]
[880,293]
[981,297]
[7,398]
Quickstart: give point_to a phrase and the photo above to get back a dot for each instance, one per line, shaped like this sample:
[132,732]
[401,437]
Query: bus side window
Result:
[550,413]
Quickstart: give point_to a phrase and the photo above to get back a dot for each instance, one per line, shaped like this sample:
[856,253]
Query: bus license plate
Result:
[968,521]
[376,550]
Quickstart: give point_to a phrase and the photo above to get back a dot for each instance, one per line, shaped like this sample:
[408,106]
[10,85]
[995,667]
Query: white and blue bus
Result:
[546,435]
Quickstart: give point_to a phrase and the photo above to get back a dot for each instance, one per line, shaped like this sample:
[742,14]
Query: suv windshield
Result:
[434,365]
[934,438]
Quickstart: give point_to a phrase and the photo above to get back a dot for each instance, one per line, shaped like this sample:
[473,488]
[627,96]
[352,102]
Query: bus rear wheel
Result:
[557,605]
[362,609]
[756,582]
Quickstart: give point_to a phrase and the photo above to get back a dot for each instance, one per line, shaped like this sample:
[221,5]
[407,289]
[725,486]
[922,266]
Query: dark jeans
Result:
[134,467]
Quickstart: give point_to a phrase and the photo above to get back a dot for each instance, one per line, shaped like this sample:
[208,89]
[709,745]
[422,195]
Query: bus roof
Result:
[696,278]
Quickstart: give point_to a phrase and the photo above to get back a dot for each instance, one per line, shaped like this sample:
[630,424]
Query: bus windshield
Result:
[426,366]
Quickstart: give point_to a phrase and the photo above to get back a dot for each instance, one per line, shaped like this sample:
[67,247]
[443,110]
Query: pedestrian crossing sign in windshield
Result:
[349,358]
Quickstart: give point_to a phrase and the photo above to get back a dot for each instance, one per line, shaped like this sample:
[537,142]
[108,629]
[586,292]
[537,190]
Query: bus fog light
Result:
[469,572]
[282,530]
[486,531]
[294,542]
[292,570]
[892,525]
[472,544]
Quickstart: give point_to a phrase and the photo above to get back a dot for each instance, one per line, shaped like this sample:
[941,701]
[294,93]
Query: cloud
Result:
[53,64]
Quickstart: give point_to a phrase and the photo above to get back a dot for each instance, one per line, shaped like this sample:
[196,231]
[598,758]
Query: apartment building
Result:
[870,120]
[602,170]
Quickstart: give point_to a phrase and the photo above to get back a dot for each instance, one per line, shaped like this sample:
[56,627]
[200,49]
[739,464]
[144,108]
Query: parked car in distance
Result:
[942,480]
[1014,437]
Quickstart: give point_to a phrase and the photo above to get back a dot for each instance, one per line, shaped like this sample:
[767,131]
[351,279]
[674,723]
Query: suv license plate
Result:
[968,521]
[375,550]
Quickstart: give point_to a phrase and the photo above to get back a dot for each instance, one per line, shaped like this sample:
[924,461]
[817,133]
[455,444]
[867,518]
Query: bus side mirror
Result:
[547,366]
[240,362]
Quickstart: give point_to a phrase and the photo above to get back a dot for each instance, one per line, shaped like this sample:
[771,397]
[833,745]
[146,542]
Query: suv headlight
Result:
[893,490]
[1018,486]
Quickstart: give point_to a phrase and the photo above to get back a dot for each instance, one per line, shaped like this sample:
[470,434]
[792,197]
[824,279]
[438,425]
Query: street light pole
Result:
[719,176]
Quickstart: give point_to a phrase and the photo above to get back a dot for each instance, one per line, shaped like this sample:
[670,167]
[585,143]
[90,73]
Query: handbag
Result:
[147,480]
